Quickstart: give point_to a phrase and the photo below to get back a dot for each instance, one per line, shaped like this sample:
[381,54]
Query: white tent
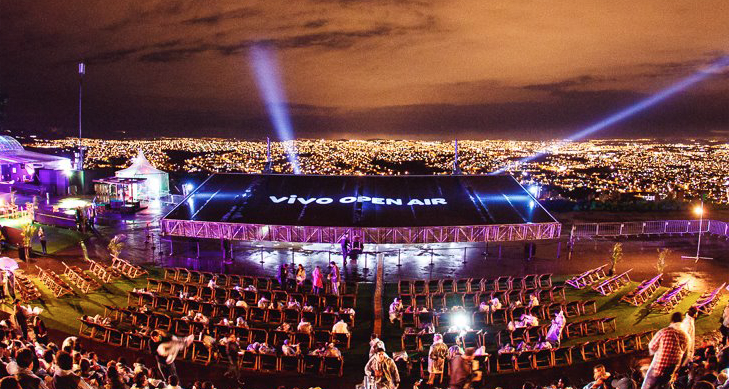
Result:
[158,182]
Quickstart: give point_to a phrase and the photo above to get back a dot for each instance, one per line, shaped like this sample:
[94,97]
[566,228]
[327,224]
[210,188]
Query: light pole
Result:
[700,212]
[81,72]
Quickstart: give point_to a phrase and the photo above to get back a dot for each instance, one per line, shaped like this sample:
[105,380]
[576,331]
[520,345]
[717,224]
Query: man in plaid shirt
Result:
[668,347]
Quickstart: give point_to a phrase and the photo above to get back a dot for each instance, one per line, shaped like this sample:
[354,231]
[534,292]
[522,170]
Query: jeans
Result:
[655,380]
[166,370]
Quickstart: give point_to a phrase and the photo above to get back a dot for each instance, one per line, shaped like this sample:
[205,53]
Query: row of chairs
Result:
[52,281]
[80,279]
[670,298]
[222,294]
[587,278]
[116,336]
[25,289]
[188,276]
[501,316]
[253,314]
[468,300]
[567,355]
[303,364]
[468,285]
[613,284]
[643,292]
[708,301]
[580,328]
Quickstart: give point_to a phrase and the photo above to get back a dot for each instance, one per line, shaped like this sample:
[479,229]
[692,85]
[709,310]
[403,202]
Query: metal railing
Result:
[654,227]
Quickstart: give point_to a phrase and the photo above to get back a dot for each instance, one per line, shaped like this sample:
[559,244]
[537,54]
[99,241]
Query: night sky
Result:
[363,69]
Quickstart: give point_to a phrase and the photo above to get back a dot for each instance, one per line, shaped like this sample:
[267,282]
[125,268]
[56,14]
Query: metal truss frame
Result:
[377,235]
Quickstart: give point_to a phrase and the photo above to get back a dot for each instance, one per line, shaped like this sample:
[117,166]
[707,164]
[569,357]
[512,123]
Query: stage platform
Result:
[381,209]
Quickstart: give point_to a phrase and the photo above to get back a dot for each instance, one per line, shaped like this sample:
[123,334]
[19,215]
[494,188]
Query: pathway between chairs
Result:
[379,288]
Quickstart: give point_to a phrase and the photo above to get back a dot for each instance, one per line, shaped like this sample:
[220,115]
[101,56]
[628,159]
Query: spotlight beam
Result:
[640,106]
[267,78]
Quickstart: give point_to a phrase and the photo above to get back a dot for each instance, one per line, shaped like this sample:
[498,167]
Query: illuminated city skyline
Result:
[644,167]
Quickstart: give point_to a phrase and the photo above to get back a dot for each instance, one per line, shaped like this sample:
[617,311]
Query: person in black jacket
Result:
[26,378]
[231,349]
[165,369]
[65,378]
[21,318]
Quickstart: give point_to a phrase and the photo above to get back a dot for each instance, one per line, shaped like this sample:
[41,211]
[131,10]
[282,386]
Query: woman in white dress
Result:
[688,326]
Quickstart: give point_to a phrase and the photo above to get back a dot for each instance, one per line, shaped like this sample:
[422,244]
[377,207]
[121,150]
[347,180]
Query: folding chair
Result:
[249,361]
[562,356]
[524,360]
[322,337]
[257,315]
[592,327]
[275,316]
[303,339]
[480,319]
[426,340]
[517,283]
[630,343]
[608,323]
[114,337]
[409,342]
[453,299]
[267,362]
[589,307]
[572,309]
[463,285]
[487,285]
[437,301]
[201,353]
[543,359]
[505,363]
[290,363]
[590,351]
[448,285]
[327,319]
[545,280]
[574,329]
[312,364]
[408,319]
[471,300]
[419,287]
[531,281]
[258,335]
[503,283]
[611,347]
[434,286]
[333,366]
[342,340]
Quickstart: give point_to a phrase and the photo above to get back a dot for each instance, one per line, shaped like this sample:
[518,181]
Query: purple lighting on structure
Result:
[640,106]
[268,80]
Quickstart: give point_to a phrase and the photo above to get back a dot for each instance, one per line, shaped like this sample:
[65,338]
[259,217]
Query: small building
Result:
[30,172]
[139,182]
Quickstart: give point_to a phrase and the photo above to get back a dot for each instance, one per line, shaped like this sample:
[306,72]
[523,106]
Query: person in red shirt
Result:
[668,347]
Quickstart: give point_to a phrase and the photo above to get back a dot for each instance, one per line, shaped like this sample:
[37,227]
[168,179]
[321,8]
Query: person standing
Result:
[165,369]
[344,242]
[21,318]
[689,327]
[42,237]
[382,371]
[232,348]
[283,274]
[461,370]
[300,276]
[724,329]
[317,280]
[668,347]
[436,358]
[334,278]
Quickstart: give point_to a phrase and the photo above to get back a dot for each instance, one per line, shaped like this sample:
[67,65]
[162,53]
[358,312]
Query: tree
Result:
[616,257]
[28,232]
[86,252]
[661,262]
[116,245]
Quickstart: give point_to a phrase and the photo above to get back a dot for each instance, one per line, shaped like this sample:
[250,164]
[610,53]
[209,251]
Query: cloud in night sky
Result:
[363,68]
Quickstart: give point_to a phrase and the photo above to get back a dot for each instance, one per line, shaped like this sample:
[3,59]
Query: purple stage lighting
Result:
[642,105]
[263,62]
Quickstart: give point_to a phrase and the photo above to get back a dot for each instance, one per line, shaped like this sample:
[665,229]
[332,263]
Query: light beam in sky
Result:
[715,68]
[268,80]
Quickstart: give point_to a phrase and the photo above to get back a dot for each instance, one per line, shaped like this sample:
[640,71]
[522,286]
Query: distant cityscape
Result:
[595,169]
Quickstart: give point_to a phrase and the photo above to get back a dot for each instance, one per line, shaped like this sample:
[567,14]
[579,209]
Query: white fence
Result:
[655,227]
